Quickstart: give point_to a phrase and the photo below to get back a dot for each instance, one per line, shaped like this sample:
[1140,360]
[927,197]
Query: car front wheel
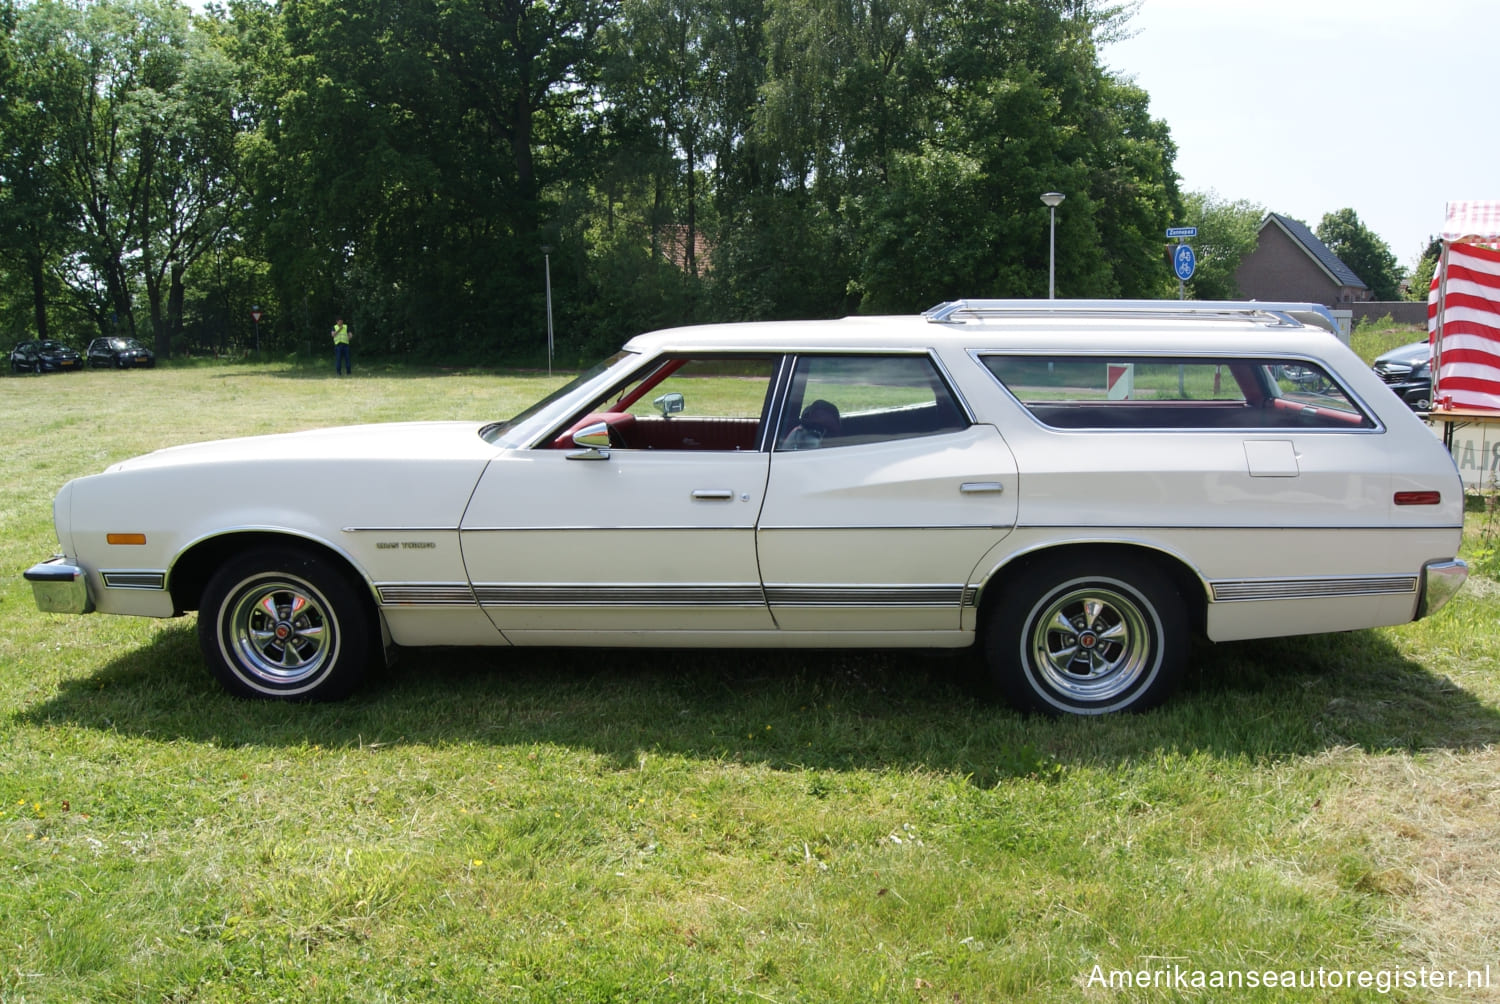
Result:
[285,625]
[1084,636]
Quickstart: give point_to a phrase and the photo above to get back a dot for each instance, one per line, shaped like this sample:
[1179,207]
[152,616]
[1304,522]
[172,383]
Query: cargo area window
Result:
[1144,392]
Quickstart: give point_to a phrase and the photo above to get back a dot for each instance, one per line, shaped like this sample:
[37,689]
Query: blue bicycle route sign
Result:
[1184,262]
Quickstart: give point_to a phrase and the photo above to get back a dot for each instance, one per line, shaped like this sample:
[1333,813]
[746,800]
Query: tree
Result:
[119,143]
[38,219]
[1421,277]
[1020,107]
[405,166]
[1227,232]
[193,182]
[1365,253]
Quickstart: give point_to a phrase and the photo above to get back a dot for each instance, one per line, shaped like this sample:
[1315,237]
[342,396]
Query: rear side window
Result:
[1147,392]
[854,399]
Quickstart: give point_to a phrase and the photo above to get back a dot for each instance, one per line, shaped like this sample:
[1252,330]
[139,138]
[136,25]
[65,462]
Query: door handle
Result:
[713,495]
[980,487]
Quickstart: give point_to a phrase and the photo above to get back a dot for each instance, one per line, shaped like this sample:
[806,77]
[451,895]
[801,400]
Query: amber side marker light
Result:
[1419,498]
[125,538]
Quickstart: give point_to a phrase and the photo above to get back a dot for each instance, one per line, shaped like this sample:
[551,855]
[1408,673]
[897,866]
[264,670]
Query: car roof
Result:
[1149,326]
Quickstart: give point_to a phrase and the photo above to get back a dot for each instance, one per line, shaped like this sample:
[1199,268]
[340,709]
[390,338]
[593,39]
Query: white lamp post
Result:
[1052,201]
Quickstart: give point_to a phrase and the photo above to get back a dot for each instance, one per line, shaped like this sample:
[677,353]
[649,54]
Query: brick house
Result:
[1289,263]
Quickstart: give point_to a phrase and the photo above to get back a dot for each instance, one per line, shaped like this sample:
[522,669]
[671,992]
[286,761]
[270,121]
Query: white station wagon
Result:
[1075,487]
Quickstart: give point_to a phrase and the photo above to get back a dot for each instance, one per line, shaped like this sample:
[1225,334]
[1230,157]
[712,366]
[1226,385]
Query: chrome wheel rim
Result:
[281,631]
[1092,642]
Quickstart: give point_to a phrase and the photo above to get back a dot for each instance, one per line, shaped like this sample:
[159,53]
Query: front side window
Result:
[684,403]
[1143,392]
[848,400]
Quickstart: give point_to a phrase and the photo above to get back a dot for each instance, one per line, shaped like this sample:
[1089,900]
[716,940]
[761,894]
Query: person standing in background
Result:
[342,363]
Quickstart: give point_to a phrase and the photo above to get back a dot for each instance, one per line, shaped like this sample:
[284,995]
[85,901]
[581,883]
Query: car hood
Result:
[386,442]
[1409,354]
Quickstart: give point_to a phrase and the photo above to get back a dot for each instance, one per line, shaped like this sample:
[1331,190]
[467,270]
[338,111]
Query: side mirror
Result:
[594,438]
[670,404]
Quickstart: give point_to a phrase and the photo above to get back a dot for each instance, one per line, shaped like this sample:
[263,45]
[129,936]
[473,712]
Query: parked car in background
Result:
[1073,488]
[44,355]
[1408,371]
[120,353]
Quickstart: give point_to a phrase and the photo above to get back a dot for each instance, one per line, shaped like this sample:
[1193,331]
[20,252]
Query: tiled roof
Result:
[1331,262]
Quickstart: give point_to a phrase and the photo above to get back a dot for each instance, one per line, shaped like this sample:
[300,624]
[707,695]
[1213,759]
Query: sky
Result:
[1305,107]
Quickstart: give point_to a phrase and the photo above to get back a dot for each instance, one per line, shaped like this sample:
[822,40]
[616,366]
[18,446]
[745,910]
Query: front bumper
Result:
[59,587]
[1440,580]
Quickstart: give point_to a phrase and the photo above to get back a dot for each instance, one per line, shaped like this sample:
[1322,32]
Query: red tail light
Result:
[1419,498]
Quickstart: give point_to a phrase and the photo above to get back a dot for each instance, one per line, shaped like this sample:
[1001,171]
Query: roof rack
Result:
[1284,314]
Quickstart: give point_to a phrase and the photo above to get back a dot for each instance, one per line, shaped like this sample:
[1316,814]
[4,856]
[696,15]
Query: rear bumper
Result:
[1440,580]
[59,587]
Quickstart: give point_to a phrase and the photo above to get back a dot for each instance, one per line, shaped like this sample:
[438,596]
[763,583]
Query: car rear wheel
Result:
[286,625]
[1087,636]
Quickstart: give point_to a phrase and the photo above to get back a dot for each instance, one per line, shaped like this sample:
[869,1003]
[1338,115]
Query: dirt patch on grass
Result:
[1423,833]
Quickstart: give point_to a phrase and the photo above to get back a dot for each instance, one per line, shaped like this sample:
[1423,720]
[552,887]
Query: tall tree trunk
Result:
[34,266]
[174,303]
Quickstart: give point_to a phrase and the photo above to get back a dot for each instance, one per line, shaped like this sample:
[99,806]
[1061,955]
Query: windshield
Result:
[496,433]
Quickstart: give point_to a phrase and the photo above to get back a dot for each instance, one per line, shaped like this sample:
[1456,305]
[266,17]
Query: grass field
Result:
[704,826]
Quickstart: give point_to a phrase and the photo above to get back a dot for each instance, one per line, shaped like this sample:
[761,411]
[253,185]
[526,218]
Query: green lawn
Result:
[702,826]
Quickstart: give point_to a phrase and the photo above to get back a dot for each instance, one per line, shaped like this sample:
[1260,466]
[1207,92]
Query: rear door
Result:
[883,494]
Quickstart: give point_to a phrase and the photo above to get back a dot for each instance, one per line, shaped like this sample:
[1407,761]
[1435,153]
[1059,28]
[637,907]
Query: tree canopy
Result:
[1366,254]
[426,167]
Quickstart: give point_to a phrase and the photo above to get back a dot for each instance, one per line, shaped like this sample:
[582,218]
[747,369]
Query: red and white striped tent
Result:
[1463,310]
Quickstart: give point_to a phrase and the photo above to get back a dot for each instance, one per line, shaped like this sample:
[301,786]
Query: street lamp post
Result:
[547,260]
[1052,201]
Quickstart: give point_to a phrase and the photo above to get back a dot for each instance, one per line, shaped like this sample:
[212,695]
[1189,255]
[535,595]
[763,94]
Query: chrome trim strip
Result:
[885,526]
[399,529]
[605,529]
[745,527]
[133,578]
[867,596]
[580,594]
[1222,527]
[1233,590]
[425,594]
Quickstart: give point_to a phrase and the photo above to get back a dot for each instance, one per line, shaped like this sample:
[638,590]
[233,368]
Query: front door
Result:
[654,534]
